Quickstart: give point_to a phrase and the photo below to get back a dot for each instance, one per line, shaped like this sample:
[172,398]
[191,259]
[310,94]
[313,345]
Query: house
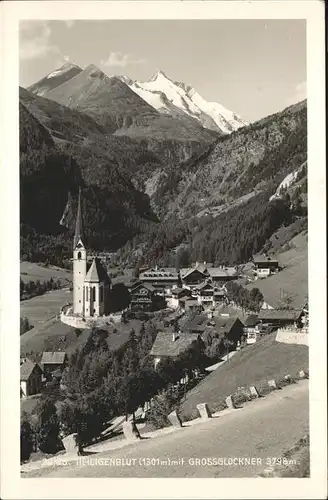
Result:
[52,361]
[164,279]
[142,297]
[205,294]
[251,328]
[191,305]
[191,277]
[179,296]
[196,324]
[208,295]
[170,345]
[222,274]
[30,378]
[229,327]
[265,266]
[281,317]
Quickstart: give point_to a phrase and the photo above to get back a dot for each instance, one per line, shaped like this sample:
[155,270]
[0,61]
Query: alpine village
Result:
[163,259]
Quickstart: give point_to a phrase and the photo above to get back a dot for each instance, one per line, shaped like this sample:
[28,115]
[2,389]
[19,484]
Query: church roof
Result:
[78,224]
[96,273]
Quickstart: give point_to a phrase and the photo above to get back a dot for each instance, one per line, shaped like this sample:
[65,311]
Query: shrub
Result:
[47,426]
[162,405]
[26,439]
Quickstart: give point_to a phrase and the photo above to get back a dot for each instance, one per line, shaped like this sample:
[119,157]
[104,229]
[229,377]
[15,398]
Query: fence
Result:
[291,335]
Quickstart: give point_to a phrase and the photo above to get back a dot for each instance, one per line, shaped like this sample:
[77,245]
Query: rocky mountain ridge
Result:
[54,79]
[135,161]
[177,98]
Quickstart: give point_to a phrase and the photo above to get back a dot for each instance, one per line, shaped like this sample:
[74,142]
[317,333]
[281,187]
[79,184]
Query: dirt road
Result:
[240,444]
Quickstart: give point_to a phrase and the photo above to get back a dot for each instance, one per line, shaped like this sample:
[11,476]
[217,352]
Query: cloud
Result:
[34,40]
[121,60]
[300,93]
[69,23]
[66,58]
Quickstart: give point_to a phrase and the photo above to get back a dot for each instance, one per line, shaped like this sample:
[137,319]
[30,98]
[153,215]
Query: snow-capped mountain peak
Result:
[176,98]
[63,69]
[55,78]
[159,75]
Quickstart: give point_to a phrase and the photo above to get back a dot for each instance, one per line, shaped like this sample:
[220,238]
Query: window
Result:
[79,255]
[101,294]
[87,293]
[94,293]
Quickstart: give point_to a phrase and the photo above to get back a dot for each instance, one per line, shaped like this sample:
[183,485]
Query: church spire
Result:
[78,225]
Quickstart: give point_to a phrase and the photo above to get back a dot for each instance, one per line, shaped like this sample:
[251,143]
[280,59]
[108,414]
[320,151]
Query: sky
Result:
[252,67]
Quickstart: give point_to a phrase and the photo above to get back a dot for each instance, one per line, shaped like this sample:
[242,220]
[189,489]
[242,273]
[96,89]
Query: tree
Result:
[25,325]
[26,438]
[161,407]
[119,298]
[227,345]
[182,258]
[96,341]
[47,426]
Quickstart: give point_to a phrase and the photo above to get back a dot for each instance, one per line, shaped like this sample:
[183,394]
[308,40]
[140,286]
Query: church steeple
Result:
[78,225]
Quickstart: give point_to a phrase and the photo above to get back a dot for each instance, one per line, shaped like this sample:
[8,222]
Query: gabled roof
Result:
[265,259]
[203,285]
[192,302]
[198,323]
[185,272]
[251,320]
[280,314]
[165,346]
[164,273]
[148,286]
[222,272]
[96,273]
[181,291]
[56,357]
[27,368]
[224,325]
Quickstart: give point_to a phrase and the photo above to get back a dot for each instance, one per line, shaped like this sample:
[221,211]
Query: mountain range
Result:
[176,98]
[152,158]
[89,88]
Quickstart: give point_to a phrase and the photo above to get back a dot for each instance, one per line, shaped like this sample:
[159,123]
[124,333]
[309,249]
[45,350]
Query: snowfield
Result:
[168,96]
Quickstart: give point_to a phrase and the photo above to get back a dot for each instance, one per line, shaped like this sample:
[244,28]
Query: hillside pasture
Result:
[30,271]
[292,280]
[53,335]
[40,309]
[253,365]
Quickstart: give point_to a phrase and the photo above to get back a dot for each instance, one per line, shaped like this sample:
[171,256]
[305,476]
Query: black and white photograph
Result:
[165,308]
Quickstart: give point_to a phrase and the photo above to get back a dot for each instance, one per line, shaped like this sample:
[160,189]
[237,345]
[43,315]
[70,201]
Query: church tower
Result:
[79,264]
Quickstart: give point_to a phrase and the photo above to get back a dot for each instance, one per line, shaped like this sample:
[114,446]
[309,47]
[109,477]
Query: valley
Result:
[144,208]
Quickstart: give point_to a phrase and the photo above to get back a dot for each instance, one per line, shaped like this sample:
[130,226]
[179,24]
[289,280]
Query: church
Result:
[91,284]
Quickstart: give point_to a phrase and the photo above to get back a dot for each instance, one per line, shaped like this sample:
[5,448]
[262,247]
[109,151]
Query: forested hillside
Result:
[233,183]
[256,157]
[212,199]
[113,206]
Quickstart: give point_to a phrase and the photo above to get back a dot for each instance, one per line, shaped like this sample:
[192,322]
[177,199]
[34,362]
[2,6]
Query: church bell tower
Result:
[79,263]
